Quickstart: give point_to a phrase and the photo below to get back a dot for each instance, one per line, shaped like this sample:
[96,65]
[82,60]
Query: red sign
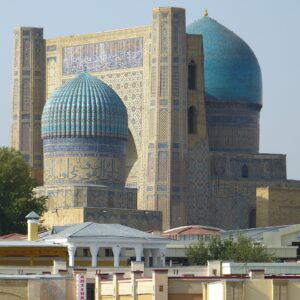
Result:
[80,287]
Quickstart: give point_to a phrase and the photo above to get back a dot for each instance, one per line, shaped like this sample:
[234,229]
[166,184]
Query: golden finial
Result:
[205,13]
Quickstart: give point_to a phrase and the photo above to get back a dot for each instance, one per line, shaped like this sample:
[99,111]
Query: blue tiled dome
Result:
[232,72]
[84,107]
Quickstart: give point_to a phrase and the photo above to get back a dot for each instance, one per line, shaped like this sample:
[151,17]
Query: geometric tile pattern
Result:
[198,183]
[129,87]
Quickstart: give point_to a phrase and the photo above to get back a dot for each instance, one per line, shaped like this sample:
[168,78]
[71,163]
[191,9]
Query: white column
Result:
[94,252]
[71,252]
[155,253]
[147,257]
[162,252]
[97,286]
[138,252]
[116,251]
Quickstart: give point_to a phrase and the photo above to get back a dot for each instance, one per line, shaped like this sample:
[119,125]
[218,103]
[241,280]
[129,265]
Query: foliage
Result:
[239,249]
[198,254]
[17,197]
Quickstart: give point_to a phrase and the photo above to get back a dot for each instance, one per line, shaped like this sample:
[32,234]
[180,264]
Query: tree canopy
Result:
[239,249]
[17,197]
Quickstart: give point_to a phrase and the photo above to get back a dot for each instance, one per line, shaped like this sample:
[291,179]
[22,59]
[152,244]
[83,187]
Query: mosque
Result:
[151,127]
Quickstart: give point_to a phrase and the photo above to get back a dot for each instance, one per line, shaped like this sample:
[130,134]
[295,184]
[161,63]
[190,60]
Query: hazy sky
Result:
[270,27]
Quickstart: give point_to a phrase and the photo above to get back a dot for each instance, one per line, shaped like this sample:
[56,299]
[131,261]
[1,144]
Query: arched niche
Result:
[192,120]
[245,172]
[252,218]
[192,75]
[131,162]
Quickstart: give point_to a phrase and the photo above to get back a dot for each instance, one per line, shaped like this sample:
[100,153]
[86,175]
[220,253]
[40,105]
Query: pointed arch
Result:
[252,218]
[192,75]
[245,171]
[192,120]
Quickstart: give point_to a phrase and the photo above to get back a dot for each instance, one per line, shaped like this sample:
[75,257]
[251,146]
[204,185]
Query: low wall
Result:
[33,287]
[270,268]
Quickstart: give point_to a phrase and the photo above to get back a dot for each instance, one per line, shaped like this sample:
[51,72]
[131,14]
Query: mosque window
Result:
[192,120]
[110,202]
[252,218]
[245,171]
[192,75]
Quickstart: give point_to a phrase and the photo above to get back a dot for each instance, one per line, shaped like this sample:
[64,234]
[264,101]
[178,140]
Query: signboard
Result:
[80,286]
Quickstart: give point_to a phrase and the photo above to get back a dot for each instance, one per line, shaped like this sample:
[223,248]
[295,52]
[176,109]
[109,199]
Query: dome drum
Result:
[233,127]
[87,161]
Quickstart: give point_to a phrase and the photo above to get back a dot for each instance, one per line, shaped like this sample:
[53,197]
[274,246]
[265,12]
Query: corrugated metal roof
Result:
[90,229]
[253,233]
[191,230]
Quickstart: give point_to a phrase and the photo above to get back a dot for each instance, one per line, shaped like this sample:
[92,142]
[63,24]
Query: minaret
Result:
[198,161]
[28,96]
[164,185]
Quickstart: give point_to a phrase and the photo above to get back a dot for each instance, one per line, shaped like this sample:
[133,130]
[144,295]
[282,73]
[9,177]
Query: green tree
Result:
[198,254]
[17,197]
[239,249]
[245,250]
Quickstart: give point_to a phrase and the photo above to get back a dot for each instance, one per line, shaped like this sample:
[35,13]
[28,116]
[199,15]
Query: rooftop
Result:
[92,230]
[192,230]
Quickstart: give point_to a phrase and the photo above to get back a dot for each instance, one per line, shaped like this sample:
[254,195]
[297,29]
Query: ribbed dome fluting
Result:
[84,107]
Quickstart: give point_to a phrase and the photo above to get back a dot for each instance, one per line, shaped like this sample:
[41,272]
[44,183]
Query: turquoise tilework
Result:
[232,72]
[84,107]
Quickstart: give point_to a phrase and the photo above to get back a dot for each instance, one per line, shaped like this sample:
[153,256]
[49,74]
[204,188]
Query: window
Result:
[192,75]
[86,252]
[108,252]
[192,120]
[110,201]
[252,218]
[244,171]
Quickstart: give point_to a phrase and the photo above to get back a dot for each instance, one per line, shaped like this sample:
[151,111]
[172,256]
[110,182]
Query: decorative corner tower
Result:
[28,96]
[165,180]
[198,161]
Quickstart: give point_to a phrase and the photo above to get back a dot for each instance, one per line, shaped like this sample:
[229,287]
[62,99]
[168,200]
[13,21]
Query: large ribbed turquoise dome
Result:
[84,107]
[232,72]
